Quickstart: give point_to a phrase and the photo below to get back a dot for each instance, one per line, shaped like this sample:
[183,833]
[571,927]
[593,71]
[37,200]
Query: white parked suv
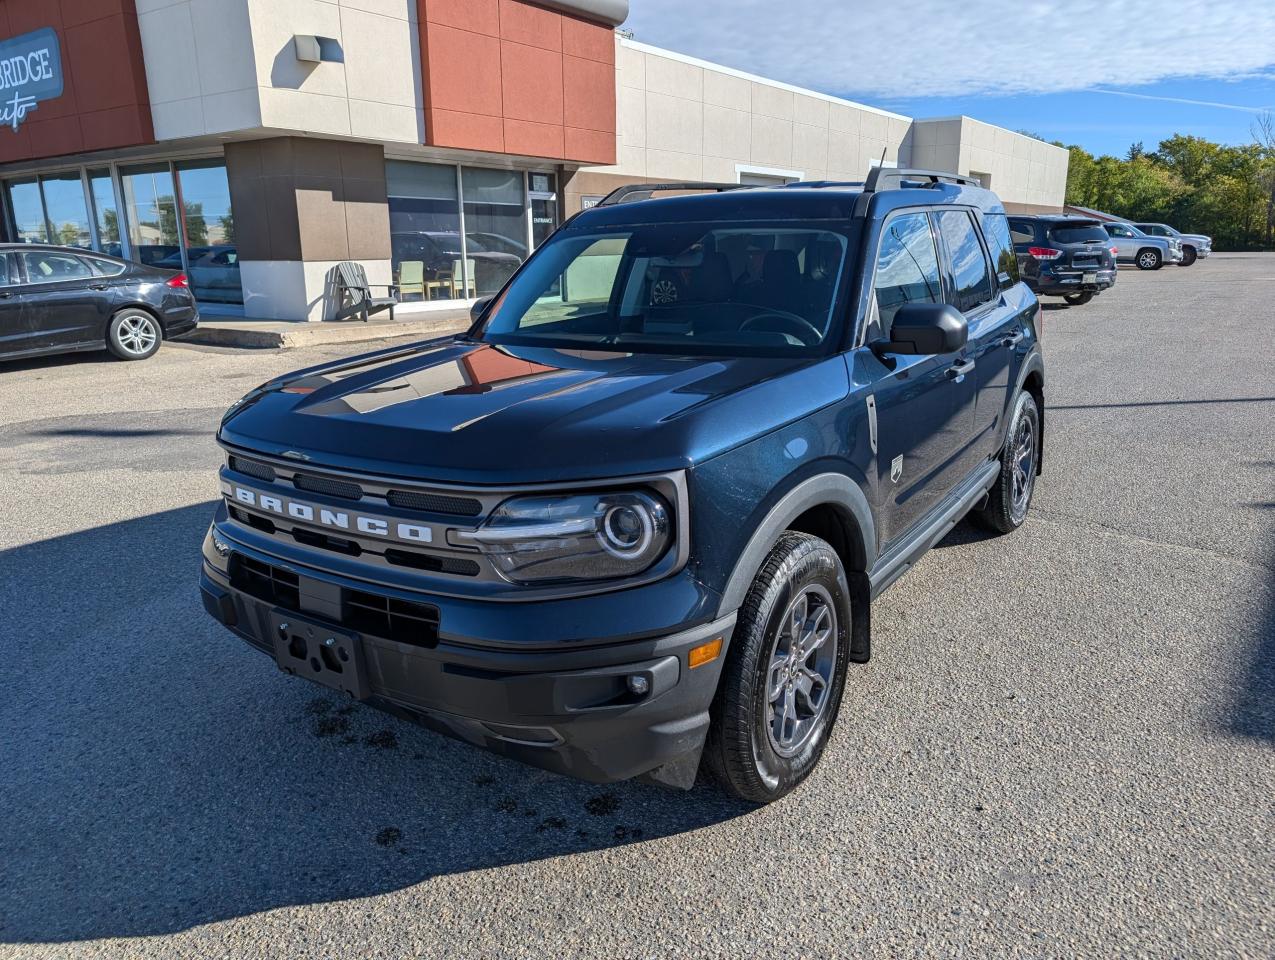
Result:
[1146,252]
[1194,245]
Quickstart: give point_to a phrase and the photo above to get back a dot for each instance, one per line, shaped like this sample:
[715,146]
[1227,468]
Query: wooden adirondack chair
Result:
[356,298]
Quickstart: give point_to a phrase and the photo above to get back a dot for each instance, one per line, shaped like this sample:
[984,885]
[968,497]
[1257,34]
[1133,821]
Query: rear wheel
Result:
[1078,299]
[781,686]
[1189,256]
[1149,259]
[133,334]
[1010,498]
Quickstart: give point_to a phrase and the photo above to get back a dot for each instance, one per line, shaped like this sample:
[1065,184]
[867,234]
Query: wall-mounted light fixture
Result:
[318,49]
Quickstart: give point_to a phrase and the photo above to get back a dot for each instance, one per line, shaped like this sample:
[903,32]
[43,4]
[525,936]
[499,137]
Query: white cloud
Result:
[947,48]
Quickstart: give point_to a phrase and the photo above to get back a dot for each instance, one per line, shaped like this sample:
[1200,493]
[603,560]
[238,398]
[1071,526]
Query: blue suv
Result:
[635,518]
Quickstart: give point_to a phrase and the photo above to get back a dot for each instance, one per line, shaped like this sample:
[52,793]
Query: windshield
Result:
[1078,233]
[723,289]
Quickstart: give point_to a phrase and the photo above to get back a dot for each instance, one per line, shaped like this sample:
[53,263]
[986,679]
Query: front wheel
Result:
[1189,256]
[133,334]
[1149,260]
[780,689]
[1011,496]
[1078,299]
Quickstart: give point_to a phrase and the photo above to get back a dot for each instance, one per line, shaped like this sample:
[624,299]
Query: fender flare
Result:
[837,489]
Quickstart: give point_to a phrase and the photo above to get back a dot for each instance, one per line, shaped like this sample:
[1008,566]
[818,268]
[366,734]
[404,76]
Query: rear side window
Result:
[1022,231]
[907,267]
[1077,233]
[104,268]
[971,280]
[47,266]
[997,233]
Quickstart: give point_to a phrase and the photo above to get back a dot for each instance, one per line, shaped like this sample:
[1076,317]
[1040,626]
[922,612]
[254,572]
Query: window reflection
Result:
[495,226]
[151,207]
[66,210]
[425,243]
[212,259]
[27,211]
[105,212]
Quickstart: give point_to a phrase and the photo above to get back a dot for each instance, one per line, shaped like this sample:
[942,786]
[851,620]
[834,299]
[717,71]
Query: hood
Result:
[468,412]
[1198,238]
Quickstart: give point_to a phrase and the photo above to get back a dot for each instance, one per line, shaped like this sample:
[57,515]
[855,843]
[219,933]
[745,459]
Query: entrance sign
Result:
[30,71]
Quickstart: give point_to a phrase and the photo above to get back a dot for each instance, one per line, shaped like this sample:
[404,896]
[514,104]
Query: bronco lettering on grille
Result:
[326,517]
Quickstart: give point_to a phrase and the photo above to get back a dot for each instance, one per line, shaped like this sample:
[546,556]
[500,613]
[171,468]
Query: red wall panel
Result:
[104,102]
[509,76]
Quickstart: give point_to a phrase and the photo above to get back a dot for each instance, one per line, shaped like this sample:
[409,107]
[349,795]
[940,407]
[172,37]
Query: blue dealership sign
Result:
[30,71]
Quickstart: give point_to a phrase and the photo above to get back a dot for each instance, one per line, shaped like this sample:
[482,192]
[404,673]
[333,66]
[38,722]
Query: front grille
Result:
[328,486]
[435,503]
[265,581]
[401,620]
[424,561]
[252,468]
[264,524]
[324,541]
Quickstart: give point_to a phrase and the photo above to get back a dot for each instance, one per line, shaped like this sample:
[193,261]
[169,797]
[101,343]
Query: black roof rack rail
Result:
[892,178]
[633,192]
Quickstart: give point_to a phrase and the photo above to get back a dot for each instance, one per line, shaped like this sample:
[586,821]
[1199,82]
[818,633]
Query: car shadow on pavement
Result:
[159,774]
[1253,714]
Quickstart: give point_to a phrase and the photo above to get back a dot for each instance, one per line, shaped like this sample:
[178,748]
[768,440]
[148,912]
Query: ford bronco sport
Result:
[634,518]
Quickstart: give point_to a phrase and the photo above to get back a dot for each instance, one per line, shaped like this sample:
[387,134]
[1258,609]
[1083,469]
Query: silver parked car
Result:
[1148,253]
[1194,245]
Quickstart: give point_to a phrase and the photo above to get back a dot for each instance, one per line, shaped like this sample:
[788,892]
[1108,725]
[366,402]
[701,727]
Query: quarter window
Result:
[1022,232]
[996,230]
[105,268]
[971,281]
[907,267]
[49,267]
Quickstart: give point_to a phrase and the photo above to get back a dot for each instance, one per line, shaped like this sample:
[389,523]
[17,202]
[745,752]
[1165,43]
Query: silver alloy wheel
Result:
[803,658]
[1147,260]
[137,334]
[1024,465]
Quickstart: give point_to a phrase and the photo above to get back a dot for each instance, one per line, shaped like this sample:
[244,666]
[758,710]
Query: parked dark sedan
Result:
[62,299]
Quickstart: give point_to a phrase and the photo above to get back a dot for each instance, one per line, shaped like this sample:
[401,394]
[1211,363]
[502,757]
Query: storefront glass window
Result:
[151,208]
[425,245]
[212,261]
[67,212]
[27,211]
[495,226]
[104,210]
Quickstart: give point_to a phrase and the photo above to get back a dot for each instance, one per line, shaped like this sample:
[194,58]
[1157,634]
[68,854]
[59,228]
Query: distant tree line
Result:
[1197,186]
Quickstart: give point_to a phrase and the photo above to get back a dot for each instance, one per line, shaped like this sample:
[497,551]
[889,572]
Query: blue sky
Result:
[1131,70]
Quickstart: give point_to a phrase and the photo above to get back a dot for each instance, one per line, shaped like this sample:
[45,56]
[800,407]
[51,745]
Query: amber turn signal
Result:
[704,653]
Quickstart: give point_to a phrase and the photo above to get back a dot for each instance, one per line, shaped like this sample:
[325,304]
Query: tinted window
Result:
[1117,230]
[104,268]
[1077,233]
[48,266]
[1023,231]
[8,270]
[907,267]
[996,230]
[971,282]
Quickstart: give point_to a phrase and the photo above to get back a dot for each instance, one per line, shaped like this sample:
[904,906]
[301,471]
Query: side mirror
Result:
[479,306]
[922,329]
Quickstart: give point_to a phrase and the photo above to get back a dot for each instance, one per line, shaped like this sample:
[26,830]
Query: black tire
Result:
[134,334]
[1189,256]
[744,752]
[1078,299]
[1149,259]
[1006,509]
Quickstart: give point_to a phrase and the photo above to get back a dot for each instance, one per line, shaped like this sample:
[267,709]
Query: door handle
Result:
[5,294]
[1013,339]
[97,286]
[959,369]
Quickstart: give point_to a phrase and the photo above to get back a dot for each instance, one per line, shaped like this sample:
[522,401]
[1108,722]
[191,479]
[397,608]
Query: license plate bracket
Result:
[329,656]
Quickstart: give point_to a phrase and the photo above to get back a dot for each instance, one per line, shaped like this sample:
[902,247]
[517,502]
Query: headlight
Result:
[577,537]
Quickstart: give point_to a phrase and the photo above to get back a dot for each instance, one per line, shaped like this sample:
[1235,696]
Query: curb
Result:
[290,336]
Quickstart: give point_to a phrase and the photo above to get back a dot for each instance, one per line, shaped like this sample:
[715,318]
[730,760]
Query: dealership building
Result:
[256,144]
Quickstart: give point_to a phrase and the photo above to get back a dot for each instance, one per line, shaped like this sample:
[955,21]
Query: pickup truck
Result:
[1195,246]
[635,518]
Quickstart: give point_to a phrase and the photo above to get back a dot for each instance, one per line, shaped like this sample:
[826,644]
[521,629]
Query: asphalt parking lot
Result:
[1064,744]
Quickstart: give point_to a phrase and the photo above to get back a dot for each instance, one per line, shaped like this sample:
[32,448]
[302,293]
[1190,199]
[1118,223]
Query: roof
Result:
[804,200]
[1095,214]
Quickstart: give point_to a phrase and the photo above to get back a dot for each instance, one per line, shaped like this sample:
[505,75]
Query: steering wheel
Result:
[799,327]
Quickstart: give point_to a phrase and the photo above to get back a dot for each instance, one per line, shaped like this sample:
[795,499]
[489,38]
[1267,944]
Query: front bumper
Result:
[568,709]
